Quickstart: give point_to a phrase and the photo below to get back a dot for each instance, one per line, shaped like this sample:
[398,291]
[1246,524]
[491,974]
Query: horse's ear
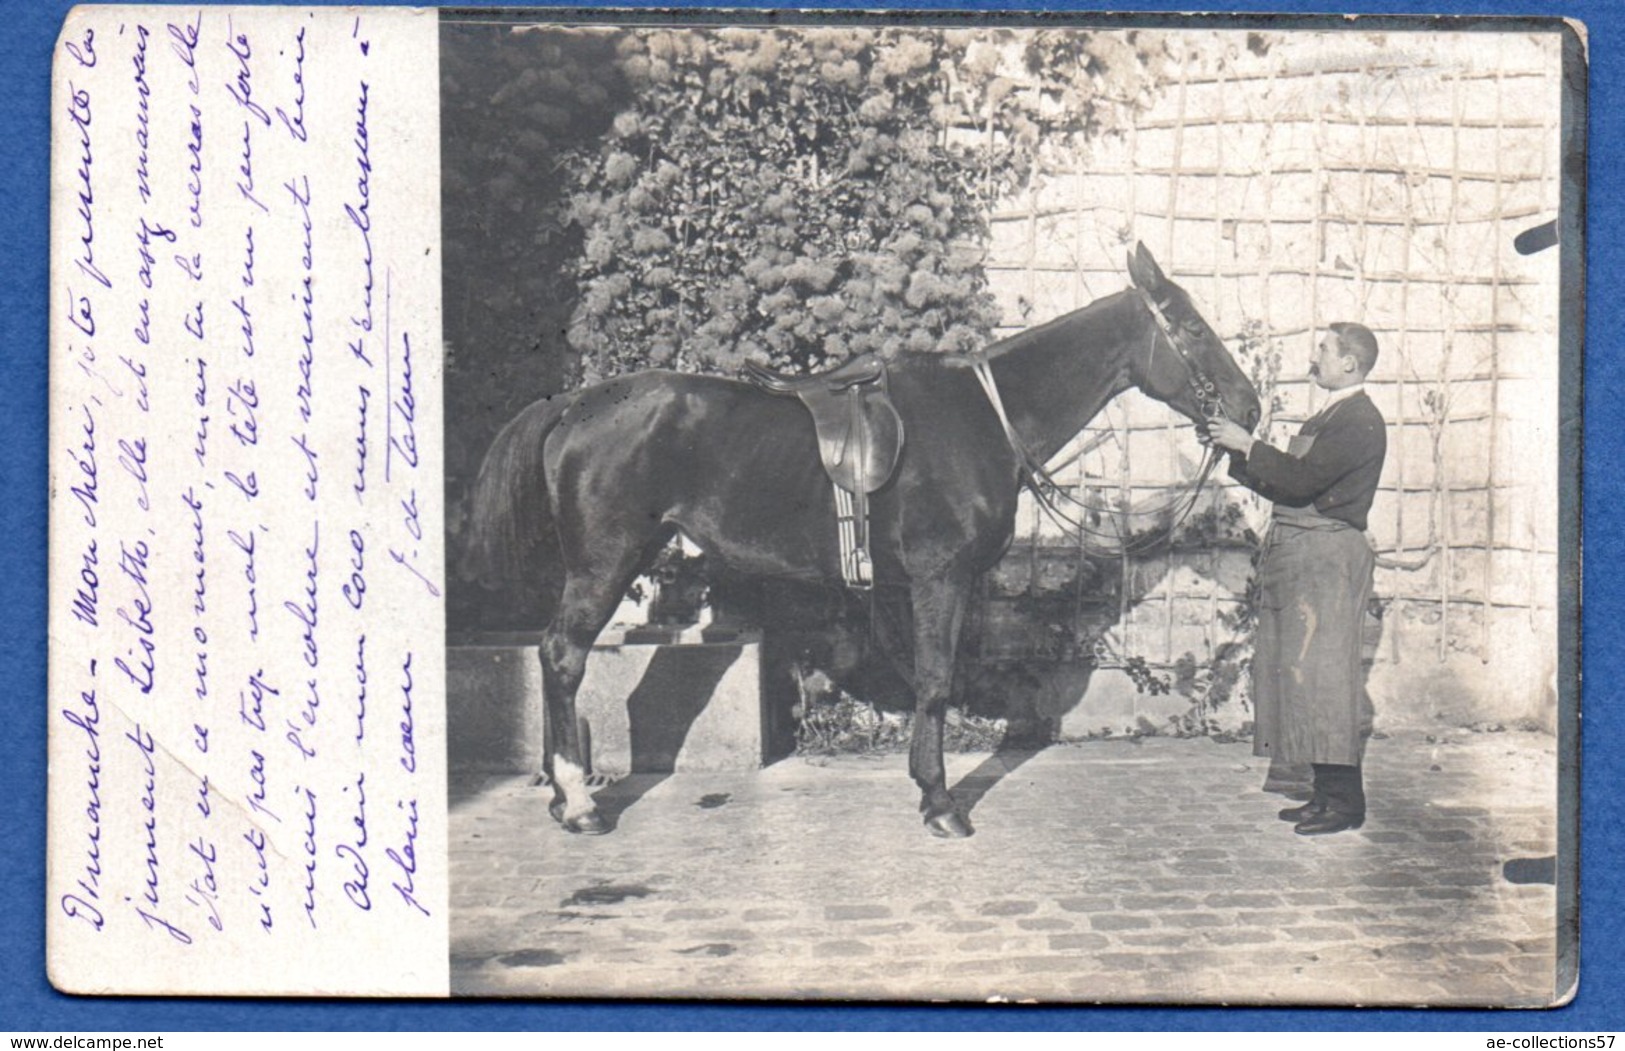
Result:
[1144,271]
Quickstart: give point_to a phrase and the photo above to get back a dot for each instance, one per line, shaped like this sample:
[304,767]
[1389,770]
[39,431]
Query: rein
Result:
[1050,494]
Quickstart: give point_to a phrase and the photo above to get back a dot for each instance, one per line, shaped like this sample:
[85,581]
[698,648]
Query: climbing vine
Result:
[801,197]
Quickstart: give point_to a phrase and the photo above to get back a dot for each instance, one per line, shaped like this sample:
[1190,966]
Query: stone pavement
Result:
[1149,870]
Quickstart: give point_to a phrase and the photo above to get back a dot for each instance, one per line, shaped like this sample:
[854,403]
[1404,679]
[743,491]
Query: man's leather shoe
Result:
[1328,821]
[1302,813]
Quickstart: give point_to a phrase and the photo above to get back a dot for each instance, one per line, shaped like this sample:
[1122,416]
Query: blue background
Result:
[27,36]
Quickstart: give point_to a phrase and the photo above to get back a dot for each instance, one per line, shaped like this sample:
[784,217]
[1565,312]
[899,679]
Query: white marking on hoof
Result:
[572,780]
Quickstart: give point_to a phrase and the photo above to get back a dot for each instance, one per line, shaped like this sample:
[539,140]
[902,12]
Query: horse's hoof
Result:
[948,825]
[587,825]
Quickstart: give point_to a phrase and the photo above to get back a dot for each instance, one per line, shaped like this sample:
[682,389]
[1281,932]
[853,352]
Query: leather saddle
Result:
[860,437]
[860,434]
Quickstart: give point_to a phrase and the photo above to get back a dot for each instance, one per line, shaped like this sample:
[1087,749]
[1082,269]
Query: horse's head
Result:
[1184,364]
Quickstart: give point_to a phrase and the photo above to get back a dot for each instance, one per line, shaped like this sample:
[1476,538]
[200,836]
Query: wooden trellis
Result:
[1358,198]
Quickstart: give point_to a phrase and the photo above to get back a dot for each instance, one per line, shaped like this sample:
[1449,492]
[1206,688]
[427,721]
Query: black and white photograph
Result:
[652,510]
[1011,509]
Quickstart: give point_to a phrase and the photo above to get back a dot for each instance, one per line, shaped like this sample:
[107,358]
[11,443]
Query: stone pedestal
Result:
[494,706]
[1109,700]
[653,701]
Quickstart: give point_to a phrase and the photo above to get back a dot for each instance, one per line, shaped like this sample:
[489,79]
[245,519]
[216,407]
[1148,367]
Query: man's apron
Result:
[1314,581]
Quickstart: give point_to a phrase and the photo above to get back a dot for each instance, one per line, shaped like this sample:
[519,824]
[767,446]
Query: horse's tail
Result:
[511,538]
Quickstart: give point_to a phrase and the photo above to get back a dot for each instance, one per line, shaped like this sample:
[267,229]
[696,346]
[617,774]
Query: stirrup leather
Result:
[851,519]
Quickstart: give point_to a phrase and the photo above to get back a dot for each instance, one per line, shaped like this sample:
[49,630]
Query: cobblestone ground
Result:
[1151,871]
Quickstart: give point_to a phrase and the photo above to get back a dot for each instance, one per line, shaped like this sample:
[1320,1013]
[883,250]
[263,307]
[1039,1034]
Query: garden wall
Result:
[1286,182]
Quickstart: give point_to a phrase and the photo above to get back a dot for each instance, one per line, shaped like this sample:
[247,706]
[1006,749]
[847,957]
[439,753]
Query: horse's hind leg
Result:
[587,603]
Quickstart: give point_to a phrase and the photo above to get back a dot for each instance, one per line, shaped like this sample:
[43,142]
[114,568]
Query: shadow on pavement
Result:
[622,794]
[970,789]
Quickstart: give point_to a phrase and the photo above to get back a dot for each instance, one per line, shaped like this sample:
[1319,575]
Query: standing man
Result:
[1314,581]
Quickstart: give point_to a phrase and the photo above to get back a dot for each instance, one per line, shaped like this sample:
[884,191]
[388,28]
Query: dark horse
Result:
[580,491]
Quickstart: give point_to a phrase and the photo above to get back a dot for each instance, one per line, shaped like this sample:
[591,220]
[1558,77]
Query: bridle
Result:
[1203,390]
[1050,494]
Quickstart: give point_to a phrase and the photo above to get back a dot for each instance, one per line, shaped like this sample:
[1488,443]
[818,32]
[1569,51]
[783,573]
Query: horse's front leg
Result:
[939,607]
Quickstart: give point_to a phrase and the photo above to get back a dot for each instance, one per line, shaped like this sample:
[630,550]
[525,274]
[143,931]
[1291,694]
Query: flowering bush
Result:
[797,197]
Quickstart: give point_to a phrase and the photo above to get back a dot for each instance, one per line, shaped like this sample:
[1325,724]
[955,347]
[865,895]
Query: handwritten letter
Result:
[247,769]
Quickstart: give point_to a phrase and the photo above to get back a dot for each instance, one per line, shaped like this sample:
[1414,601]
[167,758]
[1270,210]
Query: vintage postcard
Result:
[766,505]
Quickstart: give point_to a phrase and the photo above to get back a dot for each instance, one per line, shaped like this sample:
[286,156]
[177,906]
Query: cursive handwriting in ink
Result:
[403,441]
[248,484]
[83,50]
[200,437]
[406,562]
[409,751]
[200,593]
[245,545]
[306,721]
[309,845]
[260,887]
[143,115]
[144,238]
[200,588]
[204,886]
[360,215]
[251,700]
[361,688]
[355,589]
[306,612]
[304,391]
[295,123]
[87,719]
[404,407]
[194,170]
[86,594]
[301,442]
[363,395]
[355,888]
[133,564]
[194,319]
[84,461]
[183,42]
[240,304]
[132,459]
[149,802]
[245,185]
[241,87]
[241,402]
[406,857]
[138,371]
[258,797]
[79,113]
[82,315]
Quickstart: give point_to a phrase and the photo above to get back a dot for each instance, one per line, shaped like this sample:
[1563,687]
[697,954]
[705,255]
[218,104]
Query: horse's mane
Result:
[1026,337]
